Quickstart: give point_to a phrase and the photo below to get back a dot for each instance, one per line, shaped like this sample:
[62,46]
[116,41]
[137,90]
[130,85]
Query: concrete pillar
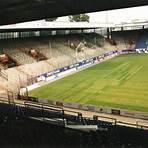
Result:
[143,27]
[108,33]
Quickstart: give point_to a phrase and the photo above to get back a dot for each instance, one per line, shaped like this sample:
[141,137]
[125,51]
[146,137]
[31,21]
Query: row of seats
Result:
[40,134]
[125,40]
[71,119]
[57,49]
[16,111]
[19,56]
[50,47]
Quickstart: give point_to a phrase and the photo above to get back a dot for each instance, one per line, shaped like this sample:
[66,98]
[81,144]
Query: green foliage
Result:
[79,18]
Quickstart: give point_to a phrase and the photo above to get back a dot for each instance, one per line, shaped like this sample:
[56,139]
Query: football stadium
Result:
[73,83]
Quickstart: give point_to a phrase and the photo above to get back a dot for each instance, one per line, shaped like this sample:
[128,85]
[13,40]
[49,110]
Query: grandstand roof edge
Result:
[55,26]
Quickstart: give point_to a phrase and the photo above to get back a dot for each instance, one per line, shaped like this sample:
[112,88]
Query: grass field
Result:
[121,82]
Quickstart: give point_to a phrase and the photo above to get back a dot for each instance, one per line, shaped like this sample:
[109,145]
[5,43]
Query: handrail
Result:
[45,105]
[126,123]
[41,104]
[70,111]
[142,126]
[43,108]
[107,118]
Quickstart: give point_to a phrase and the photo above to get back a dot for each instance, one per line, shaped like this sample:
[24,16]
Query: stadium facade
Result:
[29,55]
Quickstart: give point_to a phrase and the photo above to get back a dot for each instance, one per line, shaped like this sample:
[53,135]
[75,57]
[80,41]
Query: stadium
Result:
[77,84]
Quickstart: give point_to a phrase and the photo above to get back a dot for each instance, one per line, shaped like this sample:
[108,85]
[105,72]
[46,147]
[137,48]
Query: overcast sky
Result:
[117,16]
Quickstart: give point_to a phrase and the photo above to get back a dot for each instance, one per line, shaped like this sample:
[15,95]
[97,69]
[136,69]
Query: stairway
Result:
[3,75]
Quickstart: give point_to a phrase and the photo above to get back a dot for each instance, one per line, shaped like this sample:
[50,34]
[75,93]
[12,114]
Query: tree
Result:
[51,19]
[79,18]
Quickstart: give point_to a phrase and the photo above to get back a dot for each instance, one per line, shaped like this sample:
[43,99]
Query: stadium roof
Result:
[43,25]
[14,11]
[52,26]
[132,24]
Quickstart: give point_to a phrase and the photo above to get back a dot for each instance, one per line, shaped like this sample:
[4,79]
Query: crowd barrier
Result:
[98,109]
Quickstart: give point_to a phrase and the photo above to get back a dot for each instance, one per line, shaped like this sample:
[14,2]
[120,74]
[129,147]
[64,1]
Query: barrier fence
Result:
[91,108]
[62,117]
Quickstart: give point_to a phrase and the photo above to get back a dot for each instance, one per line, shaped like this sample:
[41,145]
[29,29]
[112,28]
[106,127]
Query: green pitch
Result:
[121,82]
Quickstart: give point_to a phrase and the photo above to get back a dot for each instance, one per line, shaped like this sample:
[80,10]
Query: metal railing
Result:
[57,115]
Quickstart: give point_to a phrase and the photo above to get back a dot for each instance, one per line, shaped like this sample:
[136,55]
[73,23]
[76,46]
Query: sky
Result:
[117,16]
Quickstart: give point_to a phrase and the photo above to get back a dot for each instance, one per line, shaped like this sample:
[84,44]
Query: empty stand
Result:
[142,41]
[34,56]
[125,39]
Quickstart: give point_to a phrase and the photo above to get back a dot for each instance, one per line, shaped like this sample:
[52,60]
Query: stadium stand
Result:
[33,56]
[19,56]
[55,53]
[40,132]
[61,45]
[142,41]
[125,40]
